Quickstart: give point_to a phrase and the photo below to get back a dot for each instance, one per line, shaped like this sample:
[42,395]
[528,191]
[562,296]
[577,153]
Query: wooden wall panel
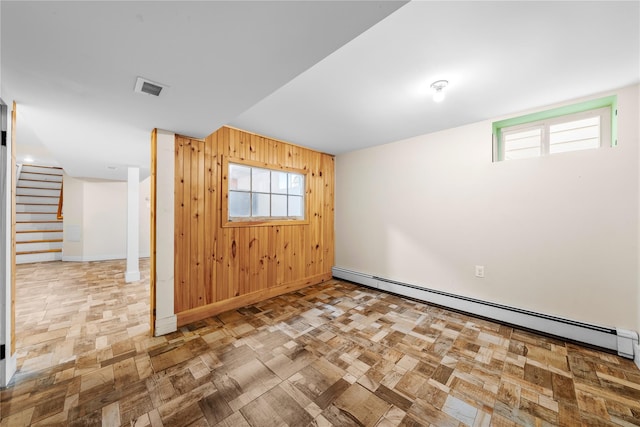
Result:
[220,268]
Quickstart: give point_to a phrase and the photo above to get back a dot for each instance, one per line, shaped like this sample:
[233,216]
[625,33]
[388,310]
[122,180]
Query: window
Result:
[576,127]
[257,194]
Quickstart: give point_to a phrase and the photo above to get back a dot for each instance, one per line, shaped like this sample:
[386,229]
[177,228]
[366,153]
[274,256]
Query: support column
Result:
[166,320]
[133,219]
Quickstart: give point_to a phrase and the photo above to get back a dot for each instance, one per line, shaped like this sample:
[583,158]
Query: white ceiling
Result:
[499,58]
[72,66]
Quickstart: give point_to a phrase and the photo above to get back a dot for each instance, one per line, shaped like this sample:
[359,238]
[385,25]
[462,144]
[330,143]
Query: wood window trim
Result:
[226,223]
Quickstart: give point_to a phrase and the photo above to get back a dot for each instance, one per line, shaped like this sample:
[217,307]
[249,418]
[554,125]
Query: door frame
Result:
[8,250]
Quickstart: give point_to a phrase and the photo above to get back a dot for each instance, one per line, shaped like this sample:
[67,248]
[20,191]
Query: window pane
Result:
[522,144]
[239,177]
[239,204]
[296,184]
[278,205]
[260,181]
[260,204]
[575,135]
[296,207]
[279,182]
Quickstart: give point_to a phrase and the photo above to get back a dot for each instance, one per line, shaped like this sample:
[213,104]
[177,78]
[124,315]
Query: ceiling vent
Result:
[147,86]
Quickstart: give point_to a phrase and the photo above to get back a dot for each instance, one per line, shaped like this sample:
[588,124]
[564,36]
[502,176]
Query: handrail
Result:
[60,202]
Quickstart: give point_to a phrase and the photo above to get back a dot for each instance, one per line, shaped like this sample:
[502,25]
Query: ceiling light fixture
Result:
[438,96]
[28,159]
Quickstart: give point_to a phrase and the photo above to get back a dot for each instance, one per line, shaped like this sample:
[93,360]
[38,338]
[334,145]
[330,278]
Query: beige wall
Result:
[96,211]
[557,235]
[72,211]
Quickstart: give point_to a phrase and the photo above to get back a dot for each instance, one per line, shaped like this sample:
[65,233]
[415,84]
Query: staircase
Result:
[38,229]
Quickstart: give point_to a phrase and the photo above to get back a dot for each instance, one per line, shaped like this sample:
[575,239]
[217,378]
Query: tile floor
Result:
[332,354]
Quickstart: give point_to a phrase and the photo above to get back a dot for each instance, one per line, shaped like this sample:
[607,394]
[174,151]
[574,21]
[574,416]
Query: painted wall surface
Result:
[557,235]
[164,211]
[105,220]
[72,217]
[144,224]
[95,219]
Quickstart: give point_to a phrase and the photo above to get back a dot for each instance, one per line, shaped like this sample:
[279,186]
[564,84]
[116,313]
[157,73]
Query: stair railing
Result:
[60,202]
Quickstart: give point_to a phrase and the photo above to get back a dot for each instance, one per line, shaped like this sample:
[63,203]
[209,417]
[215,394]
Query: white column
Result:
[133,194]
[166,321]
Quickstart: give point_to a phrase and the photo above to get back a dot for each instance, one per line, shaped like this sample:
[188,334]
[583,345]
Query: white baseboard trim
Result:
[8,367]
[624,342]
[637,355]
[132,276]
[166,325]
[108,257]
[83,258]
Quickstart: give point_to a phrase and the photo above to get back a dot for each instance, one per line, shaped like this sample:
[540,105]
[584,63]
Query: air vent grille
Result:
[148,87]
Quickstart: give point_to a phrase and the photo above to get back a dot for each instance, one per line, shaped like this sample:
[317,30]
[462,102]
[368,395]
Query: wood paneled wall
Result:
[220,268]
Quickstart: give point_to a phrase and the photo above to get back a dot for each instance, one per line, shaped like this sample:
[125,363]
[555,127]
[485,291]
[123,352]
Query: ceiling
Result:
[331,75]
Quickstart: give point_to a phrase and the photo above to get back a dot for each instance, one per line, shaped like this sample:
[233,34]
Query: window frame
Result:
[260,221]
[554,116]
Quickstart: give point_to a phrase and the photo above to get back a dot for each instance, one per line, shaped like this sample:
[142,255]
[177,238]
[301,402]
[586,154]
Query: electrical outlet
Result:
[479,270]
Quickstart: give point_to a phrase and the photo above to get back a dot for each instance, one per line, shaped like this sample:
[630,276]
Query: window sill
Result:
[263,222]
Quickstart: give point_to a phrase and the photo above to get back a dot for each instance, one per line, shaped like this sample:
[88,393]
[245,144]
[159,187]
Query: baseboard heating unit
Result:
[618,340]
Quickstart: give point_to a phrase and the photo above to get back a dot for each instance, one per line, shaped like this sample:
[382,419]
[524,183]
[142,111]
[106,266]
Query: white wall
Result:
[96,212]
[73,199]
[144,224]
[166,320]
[557,235]
[105,220]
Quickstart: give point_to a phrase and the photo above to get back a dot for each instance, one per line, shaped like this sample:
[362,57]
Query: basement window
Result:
[257,195]
[585,126]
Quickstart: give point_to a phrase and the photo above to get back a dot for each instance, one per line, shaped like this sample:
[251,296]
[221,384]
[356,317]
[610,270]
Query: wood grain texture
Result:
[218,264]
[332,354]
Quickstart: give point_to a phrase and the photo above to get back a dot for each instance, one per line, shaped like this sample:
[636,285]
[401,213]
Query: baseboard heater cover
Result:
[619,340]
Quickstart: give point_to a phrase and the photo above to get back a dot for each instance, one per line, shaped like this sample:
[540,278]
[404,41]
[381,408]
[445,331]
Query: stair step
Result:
[39,251]
[35,176]
[41,241]
[36,204]
[49,170]
[30,183]
[36,216]
[23,226]
[38,257]
[34,208]
[37,200]
[31,191]
[45,246]
[39,235]
[39,222]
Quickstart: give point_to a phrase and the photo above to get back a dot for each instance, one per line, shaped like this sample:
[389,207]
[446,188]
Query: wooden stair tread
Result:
[39,221]
[35,188]
[43,251]
[38,231]
[31,165]
[36,212]
[35,195]
[41,241]
[38,180]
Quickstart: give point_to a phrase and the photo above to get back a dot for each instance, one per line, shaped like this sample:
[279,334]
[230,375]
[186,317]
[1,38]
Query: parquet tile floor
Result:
[334,354]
